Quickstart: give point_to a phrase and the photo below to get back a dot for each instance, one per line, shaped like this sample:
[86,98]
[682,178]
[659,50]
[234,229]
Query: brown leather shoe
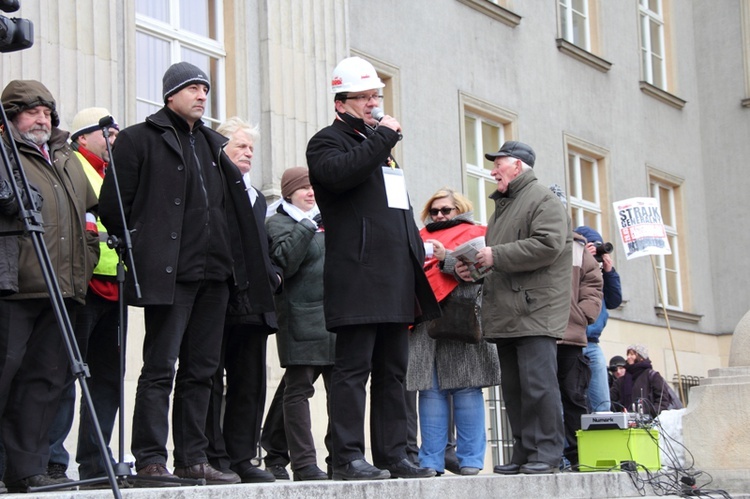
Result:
[209,473]
[154,475]
[155,470]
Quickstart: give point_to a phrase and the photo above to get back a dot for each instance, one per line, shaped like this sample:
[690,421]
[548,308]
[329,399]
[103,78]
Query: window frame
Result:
[675,234]
[646,17]
[180,39]
[565,22]
[600,206]
[484,112]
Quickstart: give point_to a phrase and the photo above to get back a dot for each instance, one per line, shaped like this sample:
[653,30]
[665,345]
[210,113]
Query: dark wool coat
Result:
[152,180]
[240,309]
[300,250]
[374,255]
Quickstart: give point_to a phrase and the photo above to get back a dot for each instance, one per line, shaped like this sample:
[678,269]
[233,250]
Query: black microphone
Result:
[106,122]
[377,114]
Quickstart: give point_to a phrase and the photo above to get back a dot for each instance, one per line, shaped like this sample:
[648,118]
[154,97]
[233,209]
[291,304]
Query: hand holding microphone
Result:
[386,121]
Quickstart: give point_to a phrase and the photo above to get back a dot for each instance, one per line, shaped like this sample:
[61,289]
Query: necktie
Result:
[44,153]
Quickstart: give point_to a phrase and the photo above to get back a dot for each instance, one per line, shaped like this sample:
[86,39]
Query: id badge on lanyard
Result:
[395,188]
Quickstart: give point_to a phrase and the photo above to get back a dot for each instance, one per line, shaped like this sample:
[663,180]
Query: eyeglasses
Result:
[364,98]
[444,210]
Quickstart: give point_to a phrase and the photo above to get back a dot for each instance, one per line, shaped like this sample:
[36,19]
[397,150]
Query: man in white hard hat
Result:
[374,283]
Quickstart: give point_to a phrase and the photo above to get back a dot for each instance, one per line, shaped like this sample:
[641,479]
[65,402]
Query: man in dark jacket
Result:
[233,439]
[33,360]
[598,392]
[186,206]
[373,278]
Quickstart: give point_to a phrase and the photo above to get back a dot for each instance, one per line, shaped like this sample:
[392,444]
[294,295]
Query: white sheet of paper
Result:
[395,188]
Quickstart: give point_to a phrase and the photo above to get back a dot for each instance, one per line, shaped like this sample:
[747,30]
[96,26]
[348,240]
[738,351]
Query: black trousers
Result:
[100,318]
[33,368]
[299,382]
[573,375]
[379,352]
[244,359]
[273,434]
[190,331]
[532,398]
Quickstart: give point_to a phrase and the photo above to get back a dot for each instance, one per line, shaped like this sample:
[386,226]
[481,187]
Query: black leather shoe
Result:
[36,481]
[538,469]
[359,469]
[311,472]
[406,469]
[507,469]
[451,462]
[278,471]
[207,472]
[252,474]
[56,471]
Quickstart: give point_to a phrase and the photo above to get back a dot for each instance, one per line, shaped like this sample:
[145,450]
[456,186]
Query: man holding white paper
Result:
[374,285]
[526,304]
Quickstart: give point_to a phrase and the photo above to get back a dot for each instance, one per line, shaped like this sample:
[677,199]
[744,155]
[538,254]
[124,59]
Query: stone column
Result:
[716,424]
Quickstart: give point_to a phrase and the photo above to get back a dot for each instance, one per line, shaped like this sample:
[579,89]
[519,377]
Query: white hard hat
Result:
[354,74]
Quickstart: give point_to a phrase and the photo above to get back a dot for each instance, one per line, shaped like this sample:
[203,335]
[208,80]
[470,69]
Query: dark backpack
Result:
[667,392]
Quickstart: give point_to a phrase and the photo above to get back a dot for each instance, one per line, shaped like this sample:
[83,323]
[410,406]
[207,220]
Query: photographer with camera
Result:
[598,391]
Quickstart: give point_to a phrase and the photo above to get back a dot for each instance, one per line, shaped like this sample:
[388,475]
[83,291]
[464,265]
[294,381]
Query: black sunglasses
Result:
[445,211]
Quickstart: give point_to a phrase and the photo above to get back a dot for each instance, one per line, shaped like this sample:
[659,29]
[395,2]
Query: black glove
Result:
[318,219]
[8,204]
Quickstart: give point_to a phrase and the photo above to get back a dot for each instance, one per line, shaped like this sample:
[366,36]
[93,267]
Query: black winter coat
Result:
[374,255]
[240,309]
[152,180]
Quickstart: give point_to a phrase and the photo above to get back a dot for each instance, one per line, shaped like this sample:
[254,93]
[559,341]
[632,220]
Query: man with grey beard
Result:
[33,359]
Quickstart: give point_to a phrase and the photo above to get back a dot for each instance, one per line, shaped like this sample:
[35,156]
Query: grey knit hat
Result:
[640,350]
[180,75]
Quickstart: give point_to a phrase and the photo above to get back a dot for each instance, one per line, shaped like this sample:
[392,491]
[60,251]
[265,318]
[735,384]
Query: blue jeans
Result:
[434,417]
[598,393]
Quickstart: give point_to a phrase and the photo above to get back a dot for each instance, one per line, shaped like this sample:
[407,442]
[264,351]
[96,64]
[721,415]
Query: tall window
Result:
[575,22]
[653,54]
[668,266]
[485,128]
[587,185]
[169,31]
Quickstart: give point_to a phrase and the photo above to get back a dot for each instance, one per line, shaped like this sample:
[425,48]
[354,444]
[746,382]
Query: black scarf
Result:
[632,372]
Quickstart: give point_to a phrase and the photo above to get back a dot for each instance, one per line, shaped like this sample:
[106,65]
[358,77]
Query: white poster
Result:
[641,227]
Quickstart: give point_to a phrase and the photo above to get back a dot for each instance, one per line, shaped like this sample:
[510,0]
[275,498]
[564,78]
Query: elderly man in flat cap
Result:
[526,304]
[33,359]
[193,237]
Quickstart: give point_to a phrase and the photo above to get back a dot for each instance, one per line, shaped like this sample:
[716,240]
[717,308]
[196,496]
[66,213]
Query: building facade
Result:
[619,99]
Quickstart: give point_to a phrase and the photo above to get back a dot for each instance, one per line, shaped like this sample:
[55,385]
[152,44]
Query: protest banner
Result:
[641,227]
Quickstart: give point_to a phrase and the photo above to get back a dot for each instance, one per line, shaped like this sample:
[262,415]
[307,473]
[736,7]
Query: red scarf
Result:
[98,163]
[450,237]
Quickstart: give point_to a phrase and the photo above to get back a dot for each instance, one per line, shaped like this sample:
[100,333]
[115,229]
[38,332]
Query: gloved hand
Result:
[318,219]
[8,204]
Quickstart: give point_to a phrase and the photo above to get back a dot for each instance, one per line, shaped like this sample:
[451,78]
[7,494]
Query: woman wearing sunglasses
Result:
[442,368]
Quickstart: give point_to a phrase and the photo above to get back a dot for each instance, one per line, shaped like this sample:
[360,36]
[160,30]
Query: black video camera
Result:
[15,34]
[602,249]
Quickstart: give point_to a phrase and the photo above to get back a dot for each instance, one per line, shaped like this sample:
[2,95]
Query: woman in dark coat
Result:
[640,385]
[306,348]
